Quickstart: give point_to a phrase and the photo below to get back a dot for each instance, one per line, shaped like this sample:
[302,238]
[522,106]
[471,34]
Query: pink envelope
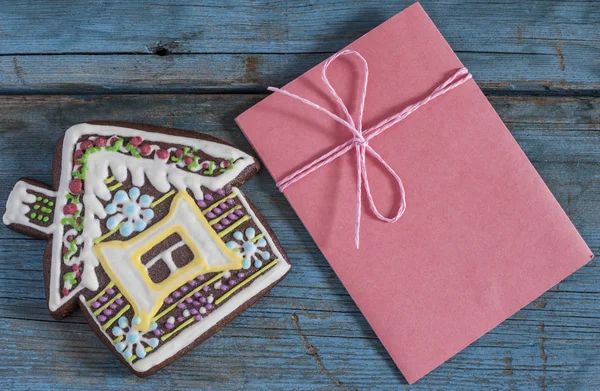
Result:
[482,236]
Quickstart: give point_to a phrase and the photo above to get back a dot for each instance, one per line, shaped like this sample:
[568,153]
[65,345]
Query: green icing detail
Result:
[194,164]
[72,221]
[45,200]
[211,168]
[72,250]
[45,219]
[73,198]
[116,146]
[40,217]
[46,210]
[228,168]
[81,173]
[36,207]
[83,159]
[50,203]
[70,278]
[133,150]
[38,198]
[33,215]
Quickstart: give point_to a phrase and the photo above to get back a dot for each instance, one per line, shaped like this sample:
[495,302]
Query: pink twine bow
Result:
[360,138]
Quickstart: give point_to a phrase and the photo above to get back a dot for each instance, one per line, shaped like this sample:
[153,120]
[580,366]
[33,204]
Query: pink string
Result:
[360,138]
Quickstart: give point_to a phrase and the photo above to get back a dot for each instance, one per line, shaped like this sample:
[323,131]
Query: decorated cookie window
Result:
[150,237]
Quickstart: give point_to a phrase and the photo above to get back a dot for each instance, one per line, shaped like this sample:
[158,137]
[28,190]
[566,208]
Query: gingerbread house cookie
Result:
[150,236]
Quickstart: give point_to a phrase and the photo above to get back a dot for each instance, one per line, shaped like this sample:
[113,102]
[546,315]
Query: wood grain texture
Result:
[138,46]
[196,65]
[306,334]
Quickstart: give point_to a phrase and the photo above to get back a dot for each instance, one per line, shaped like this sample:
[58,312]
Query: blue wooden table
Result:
[196,65]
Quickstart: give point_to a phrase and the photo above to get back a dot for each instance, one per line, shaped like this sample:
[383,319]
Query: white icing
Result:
[192,332]
[161,174]
[167,257]
[16,209]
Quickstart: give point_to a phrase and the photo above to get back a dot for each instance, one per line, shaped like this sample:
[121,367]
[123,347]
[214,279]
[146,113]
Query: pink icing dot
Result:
[232,216]
[110,291]
[85,144]
[223,287]
[96,304]
[176,294]
[75,186]
[195,303]
[188,300]
[223,205]
[137,140]
[169,300]
[157,332]
[169,325]
[70,208]
[193,311]
[196,294]
[192,283]
[119,301]
[102,318]
[198,317]
[181,306]
[231,282]
[230,201]
[113,306]
[100,142]
[225,221]
[218,226]
[221,192]
[201,277]
[180,318]
[211,215]
[203,300]
[162,154]
[217,210]
[209,306]
[208,197]
[201,204]
[241,275]
[107,312]
[145,149]
[103,299]
[239,212]
[205,289]
[184,289]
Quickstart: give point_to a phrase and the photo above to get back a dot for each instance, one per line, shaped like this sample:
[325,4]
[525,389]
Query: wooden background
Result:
[196,65]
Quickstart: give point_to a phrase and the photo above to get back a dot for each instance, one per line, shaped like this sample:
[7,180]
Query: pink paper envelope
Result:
[482,236]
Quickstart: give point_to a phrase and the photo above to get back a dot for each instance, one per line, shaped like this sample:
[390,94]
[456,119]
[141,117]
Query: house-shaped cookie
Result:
[148,233]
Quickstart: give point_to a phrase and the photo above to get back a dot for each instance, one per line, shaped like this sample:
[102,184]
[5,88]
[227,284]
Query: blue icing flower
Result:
[126,229]
[111,208]
[131,339]
[140,225]
[250,246]
[145,201]
[130,211]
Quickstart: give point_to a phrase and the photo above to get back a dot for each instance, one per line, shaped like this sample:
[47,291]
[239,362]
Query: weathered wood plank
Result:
[202,73]
[306,328]
[137,46]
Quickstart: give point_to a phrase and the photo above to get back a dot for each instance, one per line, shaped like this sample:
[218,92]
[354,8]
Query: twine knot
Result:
[360,138]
